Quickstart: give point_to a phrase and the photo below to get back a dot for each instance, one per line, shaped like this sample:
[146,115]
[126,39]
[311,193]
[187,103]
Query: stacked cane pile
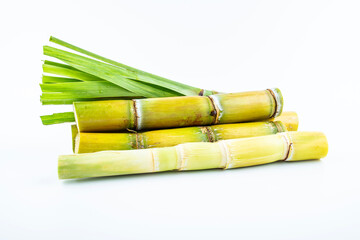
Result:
[129,121]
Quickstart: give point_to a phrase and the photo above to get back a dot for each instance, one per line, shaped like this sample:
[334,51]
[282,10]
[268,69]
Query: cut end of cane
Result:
[306,145]
[278,100]
[62,174]
[76,117]
[74,133]
[290,120]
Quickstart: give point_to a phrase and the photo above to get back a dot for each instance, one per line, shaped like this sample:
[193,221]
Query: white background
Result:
[309,49]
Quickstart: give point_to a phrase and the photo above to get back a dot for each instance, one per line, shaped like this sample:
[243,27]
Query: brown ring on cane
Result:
[215,112]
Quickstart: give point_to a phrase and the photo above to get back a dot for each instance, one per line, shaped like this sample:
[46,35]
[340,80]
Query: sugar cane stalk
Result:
[234,153]
[95,142]
[157,113]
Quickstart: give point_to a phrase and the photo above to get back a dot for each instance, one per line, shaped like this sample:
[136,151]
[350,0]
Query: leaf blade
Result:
[136,73]
[58,118]
[104,71]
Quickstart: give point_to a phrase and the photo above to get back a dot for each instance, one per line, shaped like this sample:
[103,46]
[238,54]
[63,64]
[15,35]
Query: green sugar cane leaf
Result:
[58,118]
[136,73]
[56,64]
[175,94]
[105,71]
[93,86]
[74,71]
[86,90]
[51,80]
[74,133]
[65,101]
[69,73]
[61,100]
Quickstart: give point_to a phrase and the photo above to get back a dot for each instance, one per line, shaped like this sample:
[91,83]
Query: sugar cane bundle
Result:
[136,100]
[234,153]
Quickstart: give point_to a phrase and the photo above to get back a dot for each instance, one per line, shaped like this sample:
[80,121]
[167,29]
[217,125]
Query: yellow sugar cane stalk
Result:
[95,142]
[157,113]
[234,153]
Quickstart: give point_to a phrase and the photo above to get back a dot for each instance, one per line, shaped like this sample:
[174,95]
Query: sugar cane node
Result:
[288,145]
[216,110]
[211,137]
[156,162]
[275,93]
[225,154]
[139,141]
[280,126]
[180,161]
[135,118]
